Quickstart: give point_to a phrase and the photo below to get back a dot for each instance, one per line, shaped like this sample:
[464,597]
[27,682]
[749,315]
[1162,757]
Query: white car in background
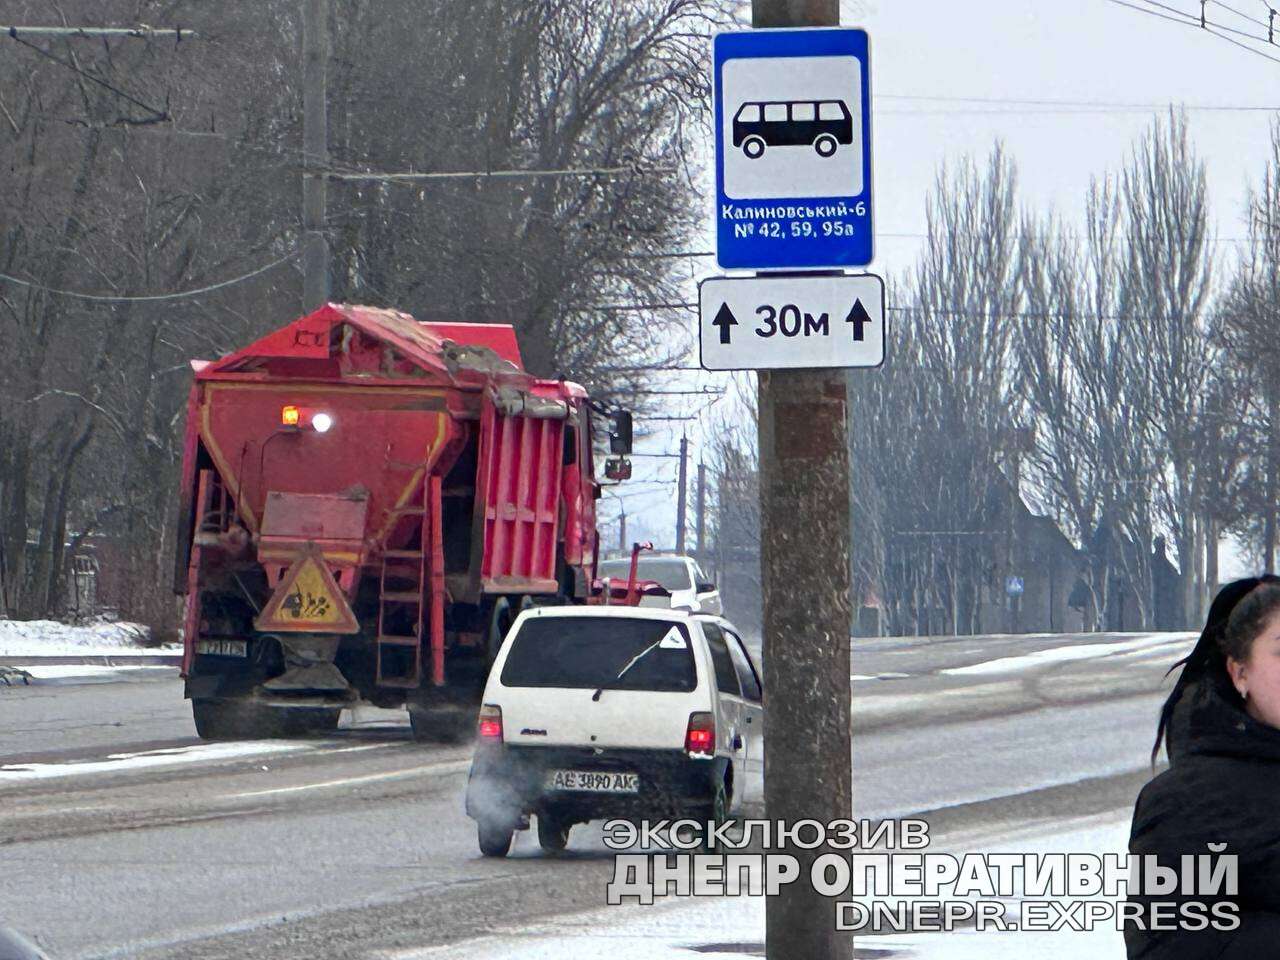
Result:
[596,712]
[690,588]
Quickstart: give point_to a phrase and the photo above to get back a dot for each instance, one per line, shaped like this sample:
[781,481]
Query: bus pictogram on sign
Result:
[824,125]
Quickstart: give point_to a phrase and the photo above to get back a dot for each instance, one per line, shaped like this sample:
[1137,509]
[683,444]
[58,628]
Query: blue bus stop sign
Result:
[793,149]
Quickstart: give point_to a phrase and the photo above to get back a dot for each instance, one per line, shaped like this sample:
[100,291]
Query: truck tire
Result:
[495,840]
[500,620]
[553,833]
[309,721]
[219,719]
[505,611]
[242,720]
[441,724]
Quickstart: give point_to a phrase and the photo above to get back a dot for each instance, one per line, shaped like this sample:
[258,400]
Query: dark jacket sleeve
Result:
[1176,814]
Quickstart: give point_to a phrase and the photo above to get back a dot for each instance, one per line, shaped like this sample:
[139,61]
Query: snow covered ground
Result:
[1149,643]
[732,928]
[48,638]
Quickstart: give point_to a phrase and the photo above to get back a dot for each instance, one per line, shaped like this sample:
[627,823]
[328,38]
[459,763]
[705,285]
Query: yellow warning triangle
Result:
[307,599]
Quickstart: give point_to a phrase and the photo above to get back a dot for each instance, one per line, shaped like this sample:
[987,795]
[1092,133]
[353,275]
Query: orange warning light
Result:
[289,416]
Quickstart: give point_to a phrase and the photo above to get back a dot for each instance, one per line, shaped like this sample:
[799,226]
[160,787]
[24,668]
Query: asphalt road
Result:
[121,835]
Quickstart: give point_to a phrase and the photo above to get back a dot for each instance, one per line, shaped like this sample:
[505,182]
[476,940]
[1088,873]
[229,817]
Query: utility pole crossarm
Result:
[141,32]
[682,495]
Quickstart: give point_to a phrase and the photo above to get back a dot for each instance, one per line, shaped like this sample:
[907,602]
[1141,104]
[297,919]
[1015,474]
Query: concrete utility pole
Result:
[700,505]
[682,499]
[622,528]
[722,514]
[804,542]
[315,146]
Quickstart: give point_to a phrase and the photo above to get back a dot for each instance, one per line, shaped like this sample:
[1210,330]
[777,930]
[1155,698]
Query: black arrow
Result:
[725,320]
[859,317]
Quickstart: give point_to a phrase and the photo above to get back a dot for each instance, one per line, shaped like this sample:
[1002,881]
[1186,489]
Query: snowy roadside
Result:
[48,652]
[35,640]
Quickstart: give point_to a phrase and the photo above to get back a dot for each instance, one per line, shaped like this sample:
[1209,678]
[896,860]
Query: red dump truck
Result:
[368,501]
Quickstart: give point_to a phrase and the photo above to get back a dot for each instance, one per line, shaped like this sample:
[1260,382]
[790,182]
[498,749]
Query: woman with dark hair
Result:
[1221,730]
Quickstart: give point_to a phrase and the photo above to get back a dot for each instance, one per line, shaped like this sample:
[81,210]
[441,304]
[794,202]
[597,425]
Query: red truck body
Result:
[368,501]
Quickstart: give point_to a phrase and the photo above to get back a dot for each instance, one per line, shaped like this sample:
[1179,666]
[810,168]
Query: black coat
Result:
[1222,786]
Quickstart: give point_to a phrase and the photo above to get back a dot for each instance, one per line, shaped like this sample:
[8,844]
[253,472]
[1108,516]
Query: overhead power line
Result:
[1100,104]
[1200,22]
[964,314]
[654,368]
[1238,13]
[181,295]
[411,177]
[156,114]
[674,305]
[704,392]
[704,254]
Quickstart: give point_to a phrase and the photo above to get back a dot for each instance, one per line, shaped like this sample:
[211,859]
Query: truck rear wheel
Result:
[243,720]
[441,724]
[495,840]
[503,617]
[310,721]
[553,833]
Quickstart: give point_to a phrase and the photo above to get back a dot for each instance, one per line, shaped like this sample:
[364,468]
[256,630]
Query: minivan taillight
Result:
[491,723]
[700,737]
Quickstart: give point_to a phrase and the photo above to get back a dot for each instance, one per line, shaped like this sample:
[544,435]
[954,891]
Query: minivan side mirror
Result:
[706,586]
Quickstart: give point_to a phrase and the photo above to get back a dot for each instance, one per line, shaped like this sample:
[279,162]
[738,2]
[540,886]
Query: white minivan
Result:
[680,576]
[597,712]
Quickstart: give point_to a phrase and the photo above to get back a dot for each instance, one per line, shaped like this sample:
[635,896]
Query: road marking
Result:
[880,676]
[440,767]
[355,749]
[172,756]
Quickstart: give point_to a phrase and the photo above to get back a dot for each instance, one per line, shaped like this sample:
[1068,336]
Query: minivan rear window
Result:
[590,652]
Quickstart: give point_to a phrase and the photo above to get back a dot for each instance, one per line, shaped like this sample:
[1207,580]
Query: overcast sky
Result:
[1114,65]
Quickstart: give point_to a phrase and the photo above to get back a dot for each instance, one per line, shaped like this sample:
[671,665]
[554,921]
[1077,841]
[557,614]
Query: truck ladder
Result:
[410,593]
[401,586]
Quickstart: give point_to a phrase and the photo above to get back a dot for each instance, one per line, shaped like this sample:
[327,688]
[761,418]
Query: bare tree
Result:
[1250,317]
[1166,281]
[733,468]
[143,168]
[1078,370]
[930,429]
[590,85]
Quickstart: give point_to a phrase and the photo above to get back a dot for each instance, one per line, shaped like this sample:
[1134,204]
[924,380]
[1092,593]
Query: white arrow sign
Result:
[772,322]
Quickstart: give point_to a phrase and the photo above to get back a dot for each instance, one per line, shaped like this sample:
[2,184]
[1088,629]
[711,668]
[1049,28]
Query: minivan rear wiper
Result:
[630,663]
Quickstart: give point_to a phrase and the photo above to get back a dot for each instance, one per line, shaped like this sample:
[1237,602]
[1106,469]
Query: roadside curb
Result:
[121,660]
